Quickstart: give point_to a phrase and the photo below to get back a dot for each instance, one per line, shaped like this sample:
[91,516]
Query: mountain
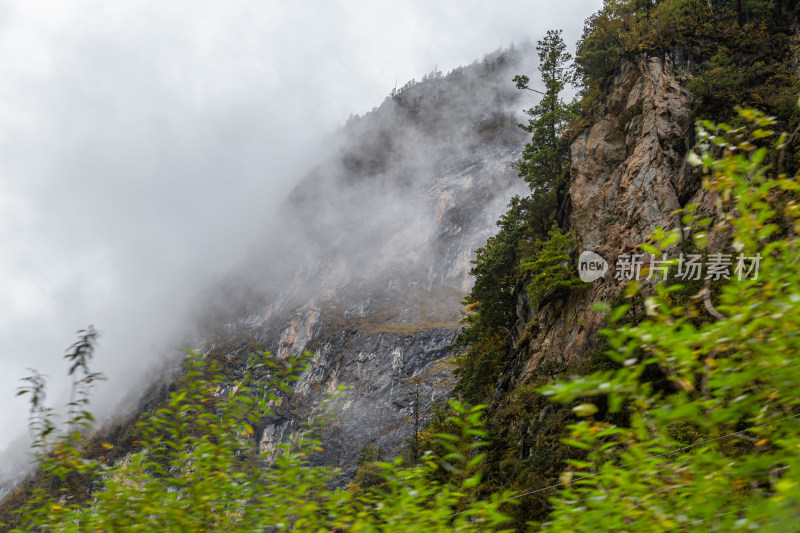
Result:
[646,83]
[387,238]
[369,266]
[369,273]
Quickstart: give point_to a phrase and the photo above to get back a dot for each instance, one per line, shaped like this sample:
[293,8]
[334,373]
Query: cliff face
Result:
[377,330]
[628,175]
[380,334]
[370,273]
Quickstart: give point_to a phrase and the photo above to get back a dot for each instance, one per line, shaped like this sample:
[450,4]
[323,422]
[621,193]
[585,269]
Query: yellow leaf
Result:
[631,289]
[694,159]
[762,442]
[585,409]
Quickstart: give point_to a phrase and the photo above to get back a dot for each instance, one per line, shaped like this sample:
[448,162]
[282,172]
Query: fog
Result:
[145,146]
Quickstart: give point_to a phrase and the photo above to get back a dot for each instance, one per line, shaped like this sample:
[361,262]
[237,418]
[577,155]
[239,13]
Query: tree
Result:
[490,305]
[552,269]
[545,160]
[415,414]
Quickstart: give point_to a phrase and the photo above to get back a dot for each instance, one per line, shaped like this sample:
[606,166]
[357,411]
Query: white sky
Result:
[143,145]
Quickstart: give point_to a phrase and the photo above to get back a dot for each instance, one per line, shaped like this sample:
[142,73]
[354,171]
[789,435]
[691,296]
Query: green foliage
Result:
[724,57]
[370,472]
[56,448]
[727,52]
[369,454]
[525,453]
[490,306]
[545,160]
[200,467]
[719,448]
[528,242]
[367,476]
[735,52]
[552,267]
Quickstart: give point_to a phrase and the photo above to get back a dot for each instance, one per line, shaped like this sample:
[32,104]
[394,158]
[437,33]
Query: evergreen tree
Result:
[551,267]
[545,160]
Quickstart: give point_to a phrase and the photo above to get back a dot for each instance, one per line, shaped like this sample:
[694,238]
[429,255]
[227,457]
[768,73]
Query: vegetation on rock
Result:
[718,448]
[726,54]
[200,468]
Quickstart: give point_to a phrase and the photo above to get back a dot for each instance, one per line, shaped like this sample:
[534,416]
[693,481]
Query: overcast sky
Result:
[143,145]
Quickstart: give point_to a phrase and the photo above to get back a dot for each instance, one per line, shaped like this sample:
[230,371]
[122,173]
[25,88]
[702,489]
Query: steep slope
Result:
[648,72]
[367,270]
[376,259]
[629,173]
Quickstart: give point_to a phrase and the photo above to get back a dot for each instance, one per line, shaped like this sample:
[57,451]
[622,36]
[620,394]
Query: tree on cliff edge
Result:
[545,160]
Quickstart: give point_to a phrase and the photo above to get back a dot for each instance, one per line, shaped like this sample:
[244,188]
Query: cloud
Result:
[144,145]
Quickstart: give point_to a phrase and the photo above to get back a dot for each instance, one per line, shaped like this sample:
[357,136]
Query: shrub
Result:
[552,268]
[199,468]
[719,449]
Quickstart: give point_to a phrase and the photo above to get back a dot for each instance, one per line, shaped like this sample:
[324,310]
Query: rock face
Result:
[376,297]
[628,175]
[628,169]
[384,334]
[370,274]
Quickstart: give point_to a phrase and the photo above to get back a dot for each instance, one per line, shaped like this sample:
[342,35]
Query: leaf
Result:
[601,307]
[576,444]
[693,159]
[631,289]
[671,239]
[471,482]
[650,249]
[618,313]
[585,409]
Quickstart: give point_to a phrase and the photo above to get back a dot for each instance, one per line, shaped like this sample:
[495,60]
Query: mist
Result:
[147,149]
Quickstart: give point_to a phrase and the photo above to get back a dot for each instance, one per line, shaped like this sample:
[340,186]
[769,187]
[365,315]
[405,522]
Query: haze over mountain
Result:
[145,147]
[425,260]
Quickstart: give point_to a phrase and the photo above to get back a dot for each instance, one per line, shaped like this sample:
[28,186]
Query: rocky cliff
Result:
[369,274]
[376,331]
[628,176]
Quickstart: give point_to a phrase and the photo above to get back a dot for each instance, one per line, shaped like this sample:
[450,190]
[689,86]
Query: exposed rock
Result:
[391,223]
[377,337]
[628,176]
[628,170]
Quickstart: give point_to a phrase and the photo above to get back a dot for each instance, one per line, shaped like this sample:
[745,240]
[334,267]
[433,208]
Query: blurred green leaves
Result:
[713,441]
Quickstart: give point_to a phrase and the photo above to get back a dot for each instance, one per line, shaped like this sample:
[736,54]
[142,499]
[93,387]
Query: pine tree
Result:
[545,160]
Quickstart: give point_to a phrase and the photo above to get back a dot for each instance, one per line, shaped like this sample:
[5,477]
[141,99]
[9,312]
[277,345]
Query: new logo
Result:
[591,266]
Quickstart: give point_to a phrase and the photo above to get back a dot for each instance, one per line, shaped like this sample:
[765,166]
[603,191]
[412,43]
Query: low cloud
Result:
[145,145]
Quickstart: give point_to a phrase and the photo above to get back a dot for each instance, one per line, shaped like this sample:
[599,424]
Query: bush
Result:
[199,467]
[719,449]
[552,268]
